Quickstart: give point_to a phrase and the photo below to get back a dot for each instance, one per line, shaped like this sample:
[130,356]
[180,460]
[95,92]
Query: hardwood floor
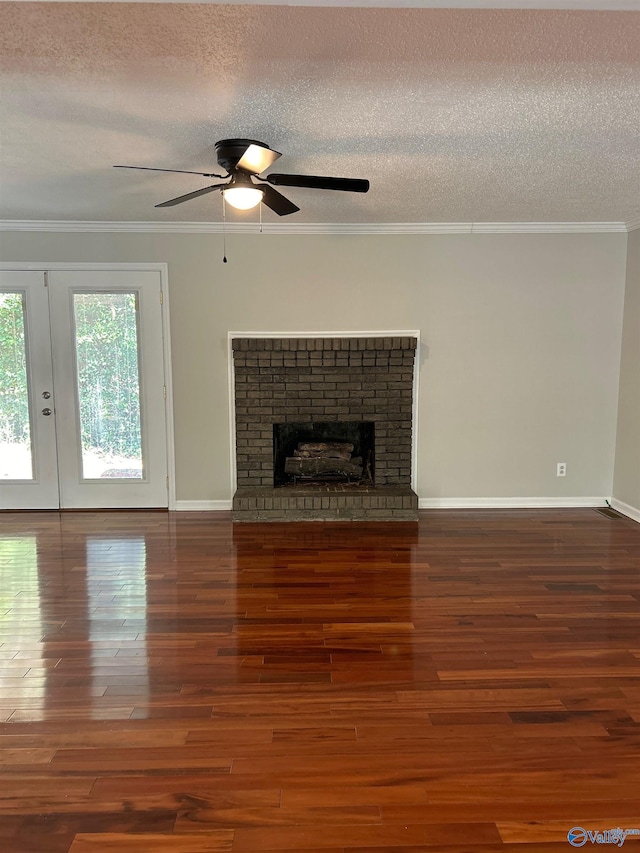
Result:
[172,682]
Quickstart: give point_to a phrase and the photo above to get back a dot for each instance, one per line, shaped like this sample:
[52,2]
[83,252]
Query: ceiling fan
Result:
[244,160]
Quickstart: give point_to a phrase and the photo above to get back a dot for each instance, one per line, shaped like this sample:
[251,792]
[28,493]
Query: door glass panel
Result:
[16,457]
[106,340]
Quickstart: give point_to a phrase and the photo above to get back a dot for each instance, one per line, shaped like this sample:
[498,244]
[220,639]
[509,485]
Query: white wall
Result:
[626,485]
[521,341]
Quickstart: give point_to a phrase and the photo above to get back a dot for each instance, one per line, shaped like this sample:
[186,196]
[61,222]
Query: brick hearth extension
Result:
[300,380]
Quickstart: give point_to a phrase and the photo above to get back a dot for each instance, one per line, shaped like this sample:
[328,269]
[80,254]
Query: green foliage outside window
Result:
[14,400]
[107,359]
[107,366]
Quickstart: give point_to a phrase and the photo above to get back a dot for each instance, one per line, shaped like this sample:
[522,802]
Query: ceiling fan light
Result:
[243,198]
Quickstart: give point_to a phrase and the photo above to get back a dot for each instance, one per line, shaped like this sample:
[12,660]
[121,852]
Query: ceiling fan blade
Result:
[354,185]
[189,196]
[181,171]
[276,201]
[257,158]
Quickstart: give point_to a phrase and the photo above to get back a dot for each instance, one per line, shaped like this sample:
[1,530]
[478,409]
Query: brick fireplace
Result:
[326,386]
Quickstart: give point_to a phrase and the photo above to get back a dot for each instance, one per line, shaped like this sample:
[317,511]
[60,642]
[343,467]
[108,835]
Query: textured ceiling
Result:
[454,115]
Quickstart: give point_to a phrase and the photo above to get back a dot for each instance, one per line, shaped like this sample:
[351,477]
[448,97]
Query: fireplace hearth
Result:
[323,428]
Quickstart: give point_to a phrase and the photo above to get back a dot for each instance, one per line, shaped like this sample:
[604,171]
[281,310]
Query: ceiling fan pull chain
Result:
[224,231]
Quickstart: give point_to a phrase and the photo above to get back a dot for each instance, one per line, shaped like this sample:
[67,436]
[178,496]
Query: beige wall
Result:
[626,484]
[521,340]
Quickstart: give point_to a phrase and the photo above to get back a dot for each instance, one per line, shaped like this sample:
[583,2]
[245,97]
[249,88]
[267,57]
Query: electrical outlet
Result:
[561,470]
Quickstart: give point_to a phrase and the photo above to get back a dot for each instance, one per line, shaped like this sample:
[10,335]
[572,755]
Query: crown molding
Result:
[571,5]
[547,227]
[633,224]
[82,226]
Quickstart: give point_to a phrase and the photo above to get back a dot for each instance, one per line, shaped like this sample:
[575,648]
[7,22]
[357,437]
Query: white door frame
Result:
[163,270]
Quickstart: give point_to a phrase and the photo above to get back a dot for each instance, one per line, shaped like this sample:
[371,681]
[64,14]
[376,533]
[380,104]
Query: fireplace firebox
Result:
[323,452]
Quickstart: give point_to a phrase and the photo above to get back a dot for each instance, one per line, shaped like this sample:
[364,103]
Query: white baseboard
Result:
[626,509]
[460,503]
[203,506]
[457,503]
[509,503]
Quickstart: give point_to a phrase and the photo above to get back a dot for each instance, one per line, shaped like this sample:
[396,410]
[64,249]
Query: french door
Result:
[82,390]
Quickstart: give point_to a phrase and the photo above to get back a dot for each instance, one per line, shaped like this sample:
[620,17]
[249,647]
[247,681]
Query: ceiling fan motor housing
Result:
[230,151]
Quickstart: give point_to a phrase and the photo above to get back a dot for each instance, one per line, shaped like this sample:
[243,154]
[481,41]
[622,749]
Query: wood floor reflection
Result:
[174,682]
